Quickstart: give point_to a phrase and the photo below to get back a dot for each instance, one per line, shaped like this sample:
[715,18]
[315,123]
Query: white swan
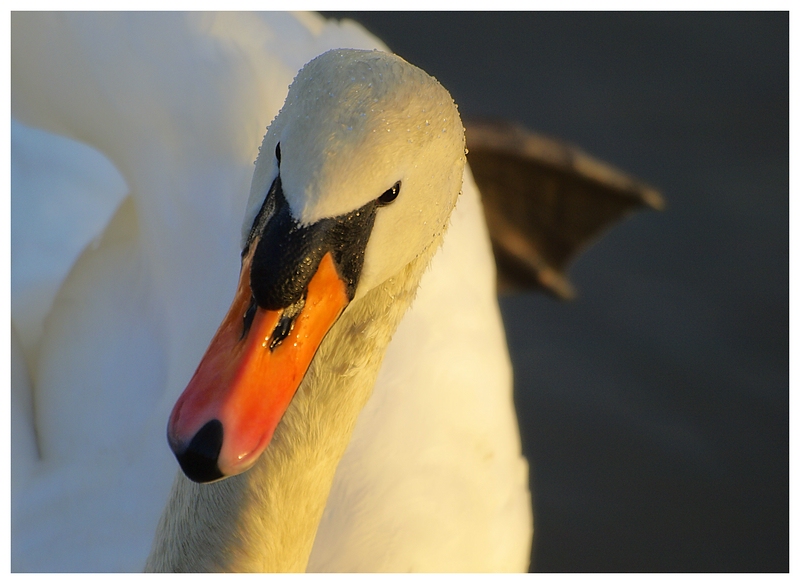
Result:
[432,479]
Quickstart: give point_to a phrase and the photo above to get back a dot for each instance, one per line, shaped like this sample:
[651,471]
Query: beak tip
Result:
[199,460]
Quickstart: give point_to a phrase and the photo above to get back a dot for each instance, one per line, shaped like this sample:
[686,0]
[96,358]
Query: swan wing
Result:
[546,202]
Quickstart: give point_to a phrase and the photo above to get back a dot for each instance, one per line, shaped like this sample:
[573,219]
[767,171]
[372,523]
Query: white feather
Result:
[433,478]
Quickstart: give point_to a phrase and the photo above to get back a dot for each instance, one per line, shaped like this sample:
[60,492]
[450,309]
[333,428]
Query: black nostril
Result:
[199,460]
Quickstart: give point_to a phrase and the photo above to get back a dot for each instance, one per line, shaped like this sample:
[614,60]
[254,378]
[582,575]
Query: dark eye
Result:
[390,195]
[278,153]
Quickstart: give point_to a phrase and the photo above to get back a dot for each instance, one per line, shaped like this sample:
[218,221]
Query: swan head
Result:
[356,177]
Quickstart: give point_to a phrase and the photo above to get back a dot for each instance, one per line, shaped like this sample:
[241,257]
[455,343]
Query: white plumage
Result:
[433,478]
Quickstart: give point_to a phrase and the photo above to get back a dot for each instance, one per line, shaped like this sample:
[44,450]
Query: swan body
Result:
[428,476]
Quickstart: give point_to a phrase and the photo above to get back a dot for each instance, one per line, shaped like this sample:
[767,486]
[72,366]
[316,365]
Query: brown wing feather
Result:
[545,202]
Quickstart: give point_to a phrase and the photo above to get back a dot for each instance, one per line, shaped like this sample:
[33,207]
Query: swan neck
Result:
[265,520]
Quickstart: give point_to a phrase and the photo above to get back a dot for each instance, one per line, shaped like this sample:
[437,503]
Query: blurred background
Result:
[654,408]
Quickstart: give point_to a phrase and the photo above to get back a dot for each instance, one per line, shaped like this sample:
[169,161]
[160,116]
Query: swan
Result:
[417,465]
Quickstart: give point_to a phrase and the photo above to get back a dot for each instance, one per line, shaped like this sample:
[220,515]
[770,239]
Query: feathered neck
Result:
[265,519]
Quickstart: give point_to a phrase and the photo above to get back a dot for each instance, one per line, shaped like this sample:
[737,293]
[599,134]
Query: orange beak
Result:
[249,375]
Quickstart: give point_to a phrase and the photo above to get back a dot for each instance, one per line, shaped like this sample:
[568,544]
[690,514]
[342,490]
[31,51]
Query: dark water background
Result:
[654,409]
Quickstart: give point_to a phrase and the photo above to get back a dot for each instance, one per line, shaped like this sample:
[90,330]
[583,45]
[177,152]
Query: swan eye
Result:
[278,153]
[390,195]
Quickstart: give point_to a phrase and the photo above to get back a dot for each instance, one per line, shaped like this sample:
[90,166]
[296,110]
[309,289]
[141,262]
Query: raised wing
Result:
[545,202]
